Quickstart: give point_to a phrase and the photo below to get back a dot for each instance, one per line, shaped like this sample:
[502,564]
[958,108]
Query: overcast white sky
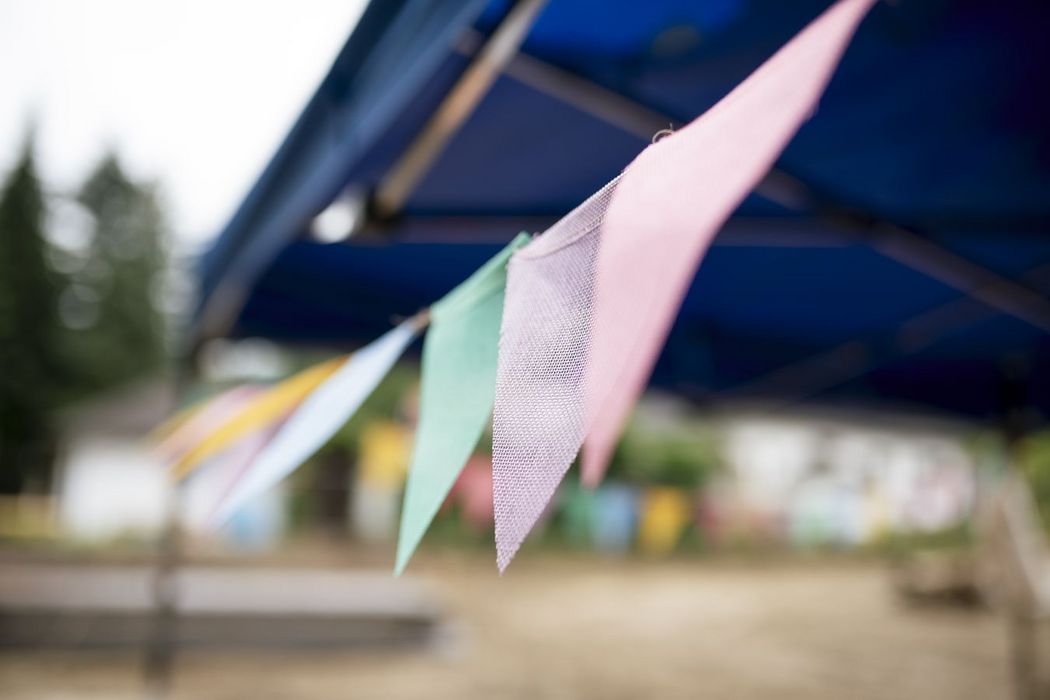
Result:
[194,93]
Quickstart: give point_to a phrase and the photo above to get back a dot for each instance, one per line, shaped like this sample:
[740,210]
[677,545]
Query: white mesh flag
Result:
[538,421]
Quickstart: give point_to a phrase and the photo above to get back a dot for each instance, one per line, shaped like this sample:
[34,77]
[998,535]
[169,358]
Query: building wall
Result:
[823,483]
[110,487]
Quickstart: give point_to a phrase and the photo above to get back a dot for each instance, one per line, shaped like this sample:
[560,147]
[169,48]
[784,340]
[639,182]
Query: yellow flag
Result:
[385,450]
[271,405]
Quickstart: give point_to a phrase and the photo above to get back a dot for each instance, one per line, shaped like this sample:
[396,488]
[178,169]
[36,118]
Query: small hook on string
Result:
[663,133]
[421,319]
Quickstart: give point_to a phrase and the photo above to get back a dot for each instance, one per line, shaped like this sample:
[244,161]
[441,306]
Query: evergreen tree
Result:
[28,331]
[64,337]
[122,271]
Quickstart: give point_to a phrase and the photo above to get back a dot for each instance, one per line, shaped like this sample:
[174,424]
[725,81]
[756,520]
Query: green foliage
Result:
[903,544]
[64,336]
[684,456]
[29,372]
[1034,461]
[116,281]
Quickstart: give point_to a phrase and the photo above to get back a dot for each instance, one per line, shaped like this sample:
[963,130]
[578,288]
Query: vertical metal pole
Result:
[159,662]
[160,651]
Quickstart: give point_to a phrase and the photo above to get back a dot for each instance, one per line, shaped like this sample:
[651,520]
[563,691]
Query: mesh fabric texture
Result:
[538,420]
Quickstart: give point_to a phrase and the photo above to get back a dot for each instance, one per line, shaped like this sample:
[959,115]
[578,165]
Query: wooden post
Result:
[159,661]
[160,651]
[1024,607]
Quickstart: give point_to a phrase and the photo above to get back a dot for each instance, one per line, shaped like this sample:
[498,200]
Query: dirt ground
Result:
[558,628]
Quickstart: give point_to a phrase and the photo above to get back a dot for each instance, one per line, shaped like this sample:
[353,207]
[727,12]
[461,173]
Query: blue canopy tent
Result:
[898,256]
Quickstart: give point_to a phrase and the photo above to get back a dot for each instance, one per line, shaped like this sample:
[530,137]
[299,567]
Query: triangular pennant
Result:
[198,422]
[320,415]
[458,387]
[671,202]
[210,484]
[543,407]
[271,405]
[538,420]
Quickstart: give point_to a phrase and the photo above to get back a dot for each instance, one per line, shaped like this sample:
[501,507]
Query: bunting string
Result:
[554,337]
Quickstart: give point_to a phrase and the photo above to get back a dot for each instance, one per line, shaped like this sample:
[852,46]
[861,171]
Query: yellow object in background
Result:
[666,512]
[385,450]
[28,517]
[272,405]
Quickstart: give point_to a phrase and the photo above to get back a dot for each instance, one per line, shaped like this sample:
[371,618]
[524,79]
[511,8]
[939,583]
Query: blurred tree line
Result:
[79,279]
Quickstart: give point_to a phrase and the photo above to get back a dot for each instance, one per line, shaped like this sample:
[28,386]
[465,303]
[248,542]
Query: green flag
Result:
[458,388]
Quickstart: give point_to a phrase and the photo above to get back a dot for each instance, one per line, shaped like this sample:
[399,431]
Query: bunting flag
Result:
[672,201]
[320,415]
[210,485]
[458,387]
[555,382]
[198,422]
[538,420]
[272,405]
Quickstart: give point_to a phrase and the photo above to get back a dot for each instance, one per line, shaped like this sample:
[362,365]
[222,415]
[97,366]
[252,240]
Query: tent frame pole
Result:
[894,241]
[455,109]
[858,356]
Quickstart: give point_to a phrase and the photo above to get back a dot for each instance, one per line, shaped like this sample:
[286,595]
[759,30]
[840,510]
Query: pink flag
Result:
[210,486]
[589,303]
[671,202]
[200,424]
